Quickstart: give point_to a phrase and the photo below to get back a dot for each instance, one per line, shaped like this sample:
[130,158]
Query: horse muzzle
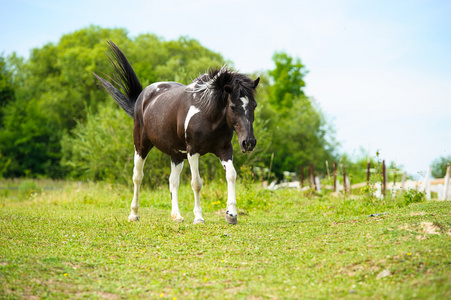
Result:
[248,145]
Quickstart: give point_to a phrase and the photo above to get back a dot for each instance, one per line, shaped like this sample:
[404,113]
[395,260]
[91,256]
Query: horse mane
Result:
[210,86]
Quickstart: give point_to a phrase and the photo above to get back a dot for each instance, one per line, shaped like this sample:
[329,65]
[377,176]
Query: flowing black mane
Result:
[212,85]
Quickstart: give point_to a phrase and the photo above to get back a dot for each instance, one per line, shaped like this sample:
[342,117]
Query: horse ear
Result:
[255,83]
[228,89]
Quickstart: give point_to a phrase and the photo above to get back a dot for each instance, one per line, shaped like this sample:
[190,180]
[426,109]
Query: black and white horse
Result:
[186,122]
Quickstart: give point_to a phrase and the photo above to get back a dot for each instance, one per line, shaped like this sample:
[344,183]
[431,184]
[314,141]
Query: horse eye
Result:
[233,107]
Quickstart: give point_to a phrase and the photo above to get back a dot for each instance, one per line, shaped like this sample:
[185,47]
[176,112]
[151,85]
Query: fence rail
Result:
[439,186]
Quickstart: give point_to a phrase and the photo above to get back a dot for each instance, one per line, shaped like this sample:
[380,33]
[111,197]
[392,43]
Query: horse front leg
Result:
[174,182]
[226,159]
[138,175]
[196,184]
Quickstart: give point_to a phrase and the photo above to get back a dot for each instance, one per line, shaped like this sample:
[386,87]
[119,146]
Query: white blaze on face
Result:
[191,112]
[245,101]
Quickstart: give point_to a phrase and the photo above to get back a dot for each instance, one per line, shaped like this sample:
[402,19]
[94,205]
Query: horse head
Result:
[240,110]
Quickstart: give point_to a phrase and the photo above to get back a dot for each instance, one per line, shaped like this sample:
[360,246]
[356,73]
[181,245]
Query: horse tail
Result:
[125,79]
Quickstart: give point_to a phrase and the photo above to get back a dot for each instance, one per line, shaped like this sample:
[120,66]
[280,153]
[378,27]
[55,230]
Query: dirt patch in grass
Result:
[426,228]
[429,228]
[109,296]
[420,213]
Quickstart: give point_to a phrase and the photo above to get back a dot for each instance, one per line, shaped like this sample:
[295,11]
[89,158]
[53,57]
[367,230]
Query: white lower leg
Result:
[174,182]
[231,179]
[196,184]
[137,179]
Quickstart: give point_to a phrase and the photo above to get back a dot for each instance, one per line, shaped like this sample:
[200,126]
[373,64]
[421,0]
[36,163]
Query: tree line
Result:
[56,122]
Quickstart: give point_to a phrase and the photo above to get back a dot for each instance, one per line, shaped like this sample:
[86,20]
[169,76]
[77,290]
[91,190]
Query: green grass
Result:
[74,241]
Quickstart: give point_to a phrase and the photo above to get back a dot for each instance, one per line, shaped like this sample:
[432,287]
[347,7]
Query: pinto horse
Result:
[186,122]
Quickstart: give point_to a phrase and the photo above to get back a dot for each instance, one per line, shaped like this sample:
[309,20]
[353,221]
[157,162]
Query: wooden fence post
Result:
[368,168]
[327,168]
[302,177]
[313,176]
[393,190]
[335,177]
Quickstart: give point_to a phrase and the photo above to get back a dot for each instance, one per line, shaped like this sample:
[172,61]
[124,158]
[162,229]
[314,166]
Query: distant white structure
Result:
[442,186]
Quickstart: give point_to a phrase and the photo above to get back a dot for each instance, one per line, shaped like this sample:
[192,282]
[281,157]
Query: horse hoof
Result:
[231,219]
[133,218]
[198,221]
[178,220]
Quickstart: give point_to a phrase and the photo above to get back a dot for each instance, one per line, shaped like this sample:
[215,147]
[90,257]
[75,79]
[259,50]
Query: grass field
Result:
[71,240]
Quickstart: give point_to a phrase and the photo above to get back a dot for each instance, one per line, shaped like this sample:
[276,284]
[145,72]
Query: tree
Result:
[439,166]
[300,133]
[288,79]
[29,142]
[6,87]
[54,90]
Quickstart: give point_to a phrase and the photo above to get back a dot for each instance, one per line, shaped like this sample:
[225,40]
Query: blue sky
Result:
[379,70]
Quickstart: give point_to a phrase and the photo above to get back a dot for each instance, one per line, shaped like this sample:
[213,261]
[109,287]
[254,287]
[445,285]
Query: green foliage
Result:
[102,149]
[299,132]
[29,141]
[29,187]
[155,59]
[439,166]
[413,196]
[6,87]
[288,79]
[54,90]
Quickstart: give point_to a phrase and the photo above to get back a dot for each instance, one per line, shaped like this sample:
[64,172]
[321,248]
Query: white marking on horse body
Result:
[245,101]
[194,95]
[191,112]
[182,151]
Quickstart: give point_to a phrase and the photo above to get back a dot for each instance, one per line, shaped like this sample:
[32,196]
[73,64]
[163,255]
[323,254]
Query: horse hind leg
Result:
[174,182]
[138,175]
[196,184]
